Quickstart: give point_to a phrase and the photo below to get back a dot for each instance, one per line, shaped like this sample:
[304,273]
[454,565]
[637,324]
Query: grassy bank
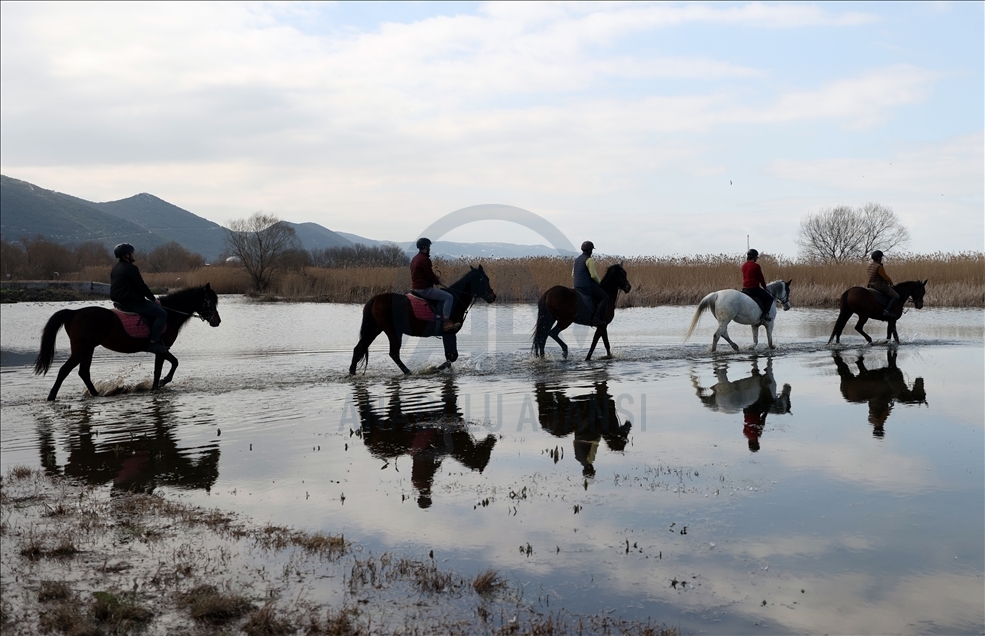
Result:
[955,280]
[78,561]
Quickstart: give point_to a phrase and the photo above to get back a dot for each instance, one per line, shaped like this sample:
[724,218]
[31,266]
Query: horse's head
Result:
[616,275]
[917,291]
[209,307]
[781,291]
[480,286]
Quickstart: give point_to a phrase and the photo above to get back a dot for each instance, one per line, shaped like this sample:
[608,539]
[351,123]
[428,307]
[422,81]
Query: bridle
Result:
[206,305]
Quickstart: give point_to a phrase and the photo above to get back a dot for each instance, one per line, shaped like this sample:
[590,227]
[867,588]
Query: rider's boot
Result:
[765,317]
[451,327]
[889,312]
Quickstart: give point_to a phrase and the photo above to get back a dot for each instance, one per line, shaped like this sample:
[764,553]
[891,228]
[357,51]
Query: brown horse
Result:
[393,315]
[90,327]
[558,308]
[867,304]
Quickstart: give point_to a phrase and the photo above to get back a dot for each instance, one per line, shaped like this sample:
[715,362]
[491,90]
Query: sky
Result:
[650,129]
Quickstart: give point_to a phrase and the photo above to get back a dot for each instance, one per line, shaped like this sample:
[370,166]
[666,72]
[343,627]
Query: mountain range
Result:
[27,210]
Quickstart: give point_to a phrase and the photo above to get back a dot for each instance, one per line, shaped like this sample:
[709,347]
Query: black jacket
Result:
[127,285]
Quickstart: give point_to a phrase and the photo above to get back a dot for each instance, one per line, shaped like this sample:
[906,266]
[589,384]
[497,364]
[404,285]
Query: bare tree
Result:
[261,243]
[92,253]
[46,259]
[172,257]
[385,255]
[843,233]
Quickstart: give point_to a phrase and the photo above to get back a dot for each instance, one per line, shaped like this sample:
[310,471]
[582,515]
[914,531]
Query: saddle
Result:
[883,299]
[423,308]
[764,306]
[584,308]
[133,323]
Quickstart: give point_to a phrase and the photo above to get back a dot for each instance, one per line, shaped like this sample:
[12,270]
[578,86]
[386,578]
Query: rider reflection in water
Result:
[881,388]
[591,417]
[428,435]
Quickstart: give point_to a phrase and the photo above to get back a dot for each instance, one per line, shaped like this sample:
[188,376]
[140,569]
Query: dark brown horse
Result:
[558,308]
[90,327]
[393,315]
[869,305]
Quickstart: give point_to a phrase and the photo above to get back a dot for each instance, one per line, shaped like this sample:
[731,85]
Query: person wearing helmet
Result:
[880,281]
[586,281]
[754,284]
[423,281]
[128,290]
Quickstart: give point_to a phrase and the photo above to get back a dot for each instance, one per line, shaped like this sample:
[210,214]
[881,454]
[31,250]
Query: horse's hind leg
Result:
[362,347]
[555,333]
[858,327]
[605,341]
[70,364]
[755,338]
[723,332]
[891,332]
[84,365]
[395,350]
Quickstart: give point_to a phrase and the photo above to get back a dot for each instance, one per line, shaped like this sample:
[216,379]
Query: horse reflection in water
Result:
[591,417]
[427,434]
[138,454]
[755,396]
[881,388]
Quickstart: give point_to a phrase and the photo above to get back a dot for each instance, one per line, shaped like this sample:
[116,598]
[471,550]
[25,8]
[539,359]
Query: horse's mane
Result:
[611,271]
[182,296]
[460,283]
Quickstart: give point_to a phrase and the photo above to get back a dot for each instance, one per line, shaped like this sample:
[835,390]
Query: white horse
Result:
[728,305]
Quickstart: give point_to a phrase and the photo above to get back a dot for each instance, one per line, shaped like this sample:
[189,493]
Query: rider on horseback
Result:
[754,284]
[586,281]
[423,281]
[880,281]
[130,293]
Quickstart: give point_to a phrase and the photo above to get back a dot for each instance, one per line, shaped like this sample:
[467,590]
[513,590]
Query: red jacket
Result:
[752,275]
[422,275]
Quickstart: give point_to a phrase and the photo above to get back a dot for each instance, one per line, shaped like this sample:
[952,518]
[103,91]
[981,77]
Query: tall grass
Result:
[954,280]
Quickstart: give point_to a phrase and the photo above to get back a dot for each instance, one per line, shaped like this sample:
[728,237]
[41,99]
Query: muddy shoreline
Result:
[89,560]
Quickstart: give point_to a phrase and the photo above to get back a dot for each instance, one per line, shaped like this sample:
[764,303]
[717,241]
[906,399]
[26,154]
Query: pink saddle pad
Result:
[422,311]
[134,324]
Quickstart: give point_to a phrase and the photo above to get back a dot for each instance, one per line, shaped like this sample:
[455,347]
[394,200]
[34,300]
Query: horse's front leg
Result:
[555,333]
[159,364]
[605,341]
[891,331]
[595,341]
[858,327]
[395,350]
[769,335]
[755,337]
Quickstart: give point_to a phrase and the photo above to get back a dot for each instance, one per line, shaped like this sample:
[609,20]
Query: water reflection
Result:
[428,434]
[137,454]
[592,417]
[755,396]
[881,388]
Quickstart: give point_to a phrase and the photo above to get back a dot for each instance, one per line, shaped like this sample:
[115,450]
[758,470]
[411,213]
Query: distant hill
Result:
[147,221]
[316,237]
[169,223]
[29,210]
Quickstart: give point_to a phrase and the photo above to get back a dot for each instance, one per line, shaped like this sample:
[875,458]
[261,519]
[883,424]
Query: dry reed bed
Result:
[955,280]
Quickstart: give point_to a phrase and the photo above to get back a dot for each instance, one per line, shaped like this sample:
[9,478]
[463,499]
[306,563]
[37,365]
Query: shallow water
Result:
[844,487]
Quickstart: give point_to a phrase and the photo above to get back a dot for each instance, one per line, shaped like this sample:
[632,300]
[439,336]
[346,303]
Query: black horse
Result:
[393,315]
[590,418]
[868,303]
[558,308]
[879,388]
[427,435]
[90,327]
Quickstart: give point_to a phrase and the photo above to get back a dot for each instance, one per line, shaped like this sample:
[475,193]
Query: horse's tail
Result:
[543,325]
[708,302]
[48,336]
[843,316]
[365,331]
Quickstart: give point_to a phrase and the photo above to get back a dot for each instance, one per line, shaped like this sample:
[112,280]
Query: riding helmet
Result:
[587,246]
[423,243]
[751,254]
[123,249]
[877,255]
